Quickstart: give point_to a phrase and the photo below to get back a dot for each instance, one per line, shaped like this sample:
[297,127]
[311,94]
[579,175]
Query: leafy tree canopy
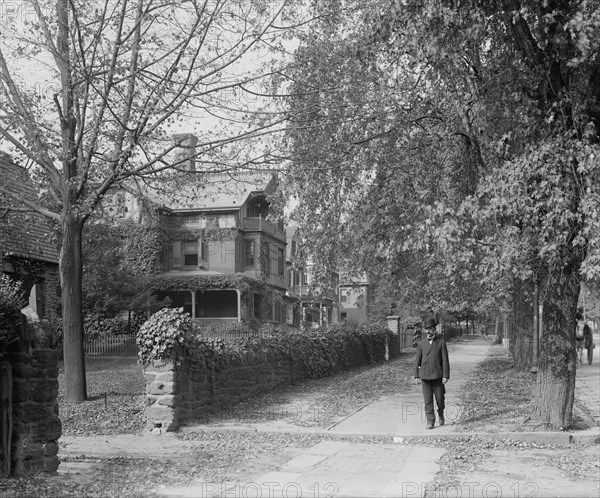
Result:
[452,147]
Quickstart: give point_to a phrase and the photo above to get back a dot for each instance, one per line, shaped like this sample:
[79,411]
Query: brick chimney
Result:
[186,151]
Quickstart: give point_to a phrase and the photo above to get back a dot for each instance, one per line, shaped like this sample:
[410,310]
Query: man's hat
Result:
[430,322]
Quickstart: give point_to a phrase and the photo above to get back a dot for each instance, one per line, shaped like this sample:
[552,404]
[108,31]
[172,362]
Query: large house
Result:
[226,259]
[28,249]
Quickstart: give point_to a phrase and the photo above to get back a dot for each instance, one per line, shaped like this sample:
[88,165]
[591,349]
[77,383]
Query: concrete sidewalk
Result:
[345,469]
[403,415]
[341,468]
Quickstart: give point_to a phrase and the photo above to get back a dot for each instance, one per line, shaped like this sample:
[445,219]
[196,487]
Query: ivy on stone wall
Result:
[165,336]
[11,302]
[318,353]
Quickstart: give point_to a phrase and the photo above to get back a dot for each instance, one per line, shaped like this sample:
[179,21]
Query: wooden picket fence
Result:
[123,345]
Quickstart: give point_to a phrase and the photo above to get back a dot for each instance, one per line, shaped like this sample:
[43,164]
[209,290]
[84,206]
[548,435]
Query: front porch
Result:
[226,299]
[210,305]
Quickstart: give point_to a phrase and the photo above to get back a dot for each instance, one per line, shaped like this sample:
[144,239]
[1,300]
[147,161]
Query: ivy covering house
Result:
[223,256]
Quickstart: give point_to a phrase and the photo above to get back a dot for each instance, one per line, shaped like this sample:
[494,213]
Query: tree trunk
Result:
[555,387]
[522,326]
[71,282]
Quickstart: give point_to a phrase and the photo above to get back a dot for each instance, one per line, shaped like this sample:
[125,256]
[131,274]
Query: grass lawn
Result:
[116,390]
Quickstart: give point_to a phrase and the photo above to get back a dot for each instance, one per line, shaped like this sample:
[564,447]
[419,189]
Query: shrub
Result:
[97,326]
[169,335]
[11,302]
[165,336]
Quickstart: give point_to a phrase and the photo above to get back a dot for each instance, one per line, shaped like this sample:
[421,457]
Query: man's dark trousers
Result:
[433,388]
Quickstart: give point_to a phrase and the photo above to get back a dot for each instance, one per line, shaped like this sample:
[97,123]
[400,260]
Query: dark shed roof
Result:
[28,235]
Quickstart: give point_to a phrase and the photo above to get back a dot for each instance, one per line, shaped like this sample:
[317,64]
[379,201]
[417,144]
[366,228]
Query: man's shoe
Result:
[441,421]
[429,425]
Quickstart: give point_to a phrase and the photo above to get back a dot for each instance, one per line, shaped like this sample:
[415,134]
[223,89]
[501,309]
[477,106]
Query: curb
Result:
[587,437]
[557,438]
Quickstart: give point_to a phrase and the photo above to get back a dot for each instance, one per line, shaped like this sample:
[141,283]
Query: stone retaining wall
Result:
[178,393]
[36,426]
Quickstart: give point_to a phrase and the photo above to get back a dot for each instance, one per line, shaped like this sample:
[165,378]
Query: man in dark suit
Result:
[432,371]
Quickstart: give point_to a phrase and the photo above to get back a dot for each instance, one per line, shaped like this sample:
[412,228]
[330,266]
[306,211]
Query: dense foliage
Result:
[431,152]
[11,302]
[168,336]
[450,149]
[97,326]
[119,258]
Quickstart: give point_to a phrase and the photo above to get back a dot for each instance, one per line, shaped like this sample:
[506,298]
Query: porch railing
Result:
[263,225]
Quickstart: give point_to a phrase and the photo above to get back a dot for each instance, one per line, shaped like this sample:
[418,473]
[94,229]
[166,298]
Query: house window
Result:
[257,305]
[343,295]
[212,221]
[266,258]
[270,309]
[227,221]
[250,253]
[293,247]
[203,250]
[280,261]
[188,220]
[176,253]
[290,279]
[305,279]
[190,254]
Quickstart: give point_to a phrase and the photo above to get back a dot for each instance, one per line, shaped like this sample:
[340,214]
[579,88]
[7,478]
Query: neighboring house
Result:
[318,301]
[354,297]
[28,249]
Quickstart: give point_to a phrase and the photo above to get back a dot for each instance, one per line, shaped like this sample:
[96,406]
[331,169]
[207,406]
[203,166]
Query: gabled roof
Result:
[215,192]
[26,235]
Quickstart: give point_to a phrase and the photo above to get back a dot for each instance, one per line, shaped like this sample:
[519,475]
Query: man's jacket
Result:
[431,361]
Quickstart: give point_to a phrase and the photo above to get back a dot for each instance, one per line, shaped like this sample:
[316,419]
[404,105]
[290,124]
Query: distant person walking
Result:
[432,371]
[583,334]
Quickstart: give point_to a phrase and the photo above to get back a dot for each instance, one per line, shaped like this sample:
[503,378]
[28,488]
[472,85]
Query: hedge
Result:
[168,336]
